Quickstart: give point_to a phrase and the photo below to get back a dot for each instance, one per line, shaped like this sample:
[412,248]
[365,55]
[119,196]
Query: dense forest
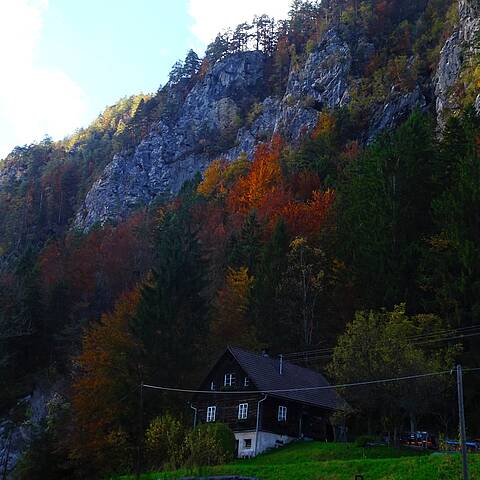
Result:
[366,253]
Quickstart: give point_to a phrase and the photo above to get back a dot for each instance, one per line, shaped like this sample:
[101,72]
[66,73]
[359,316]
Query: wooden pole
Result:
[140,433]
[461,420]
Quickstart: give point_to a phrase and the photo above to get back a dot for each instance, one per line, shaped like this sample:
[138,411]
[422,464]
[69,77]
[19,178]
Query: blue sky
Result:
[63,61]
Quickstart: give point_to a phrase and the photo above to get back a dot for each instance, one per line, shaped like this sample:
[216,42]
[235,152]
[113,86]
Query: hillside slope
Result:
[338,462]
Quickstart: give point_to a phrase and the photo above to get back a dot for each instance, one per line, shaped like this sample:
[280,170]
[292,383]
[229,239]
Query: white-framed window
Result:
[211,413]
[229,380]
[243,411]
[282,413]
[212,385]
[246,382]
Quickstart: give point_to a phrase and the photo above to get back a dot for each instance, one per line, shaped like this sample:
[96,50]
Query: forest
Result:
[366,254]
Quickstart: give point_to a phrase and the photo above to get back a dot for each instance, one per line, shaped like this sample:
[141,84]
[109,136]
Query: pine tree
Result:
[191,65]
[171,319]
[273,262]
[245,249]
[218,48]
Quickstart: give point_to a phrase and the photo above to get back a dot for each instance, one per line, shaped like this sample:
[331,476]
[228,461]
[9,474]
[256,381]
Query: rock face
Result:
[456,50]
[229,112]
[173,153]
[15,435]
[396,109]
[214,109]
[321,83]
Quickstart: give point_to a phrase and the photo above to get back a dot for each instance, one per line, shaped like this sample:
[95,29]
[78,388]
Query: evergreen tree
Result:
[386,213]
[218,48]
[245,249]
[454,272]
[171,319]
[266,308]
[191,65]
[176,73]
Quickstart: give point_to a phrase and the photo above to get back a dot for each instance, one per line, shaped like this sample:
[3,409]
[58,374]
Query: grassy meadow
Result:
[329,461]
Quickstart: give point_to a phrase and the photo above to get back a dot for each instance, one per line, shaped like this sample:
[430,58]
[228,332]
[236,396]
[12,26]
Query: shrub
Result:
[210,444]
[254,113]
[364,440]
[164,441]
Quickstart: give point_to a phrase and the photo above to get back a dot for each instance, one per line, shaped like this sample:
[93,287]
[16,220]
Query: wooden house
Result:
[265,401]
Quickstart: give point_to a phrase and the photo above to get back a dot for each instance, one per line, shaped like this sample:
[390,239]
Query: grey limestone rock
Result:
[462,43]
[213,110]
[397,108]
[321,84]
[172,154]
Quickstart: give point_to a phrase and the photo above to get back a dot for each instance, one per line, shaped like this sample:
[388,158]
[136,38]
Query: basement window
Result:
[211,414]
[282,413]
[247,443]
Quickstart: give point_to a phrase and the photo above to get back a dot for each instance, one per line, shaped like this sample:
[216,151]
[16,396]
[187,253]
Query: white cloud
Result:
[213,16]
[34,101]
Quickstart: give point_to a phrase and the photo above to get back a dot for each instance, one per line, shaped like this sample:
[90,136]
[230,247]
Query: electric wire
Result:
[299,389]
[424,339]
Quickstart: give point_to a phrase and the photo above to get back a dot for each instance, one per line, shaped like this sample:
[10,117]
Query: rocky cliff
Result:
[214,109]
[458,50]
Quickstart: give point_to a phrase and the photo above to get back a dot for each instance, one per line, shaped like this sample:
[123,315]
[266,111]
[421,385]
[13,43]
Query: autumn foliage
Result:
[262,181]
[104,386]
[230,324]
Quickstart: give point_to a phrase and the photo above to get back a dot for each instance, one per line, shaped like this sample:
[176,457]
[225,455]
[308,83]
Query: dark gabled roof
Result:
[264,372]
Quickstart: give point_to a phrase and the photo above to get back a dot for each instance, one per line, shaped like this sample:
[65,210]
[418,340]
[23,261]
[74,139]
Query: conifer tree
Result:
[171,318]
[245,250]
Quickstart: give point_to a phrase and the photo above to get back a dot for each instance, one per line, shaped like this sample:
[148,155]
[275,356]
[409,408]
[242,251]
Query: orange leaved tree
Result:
[104,390]
[230,324]
[263,179]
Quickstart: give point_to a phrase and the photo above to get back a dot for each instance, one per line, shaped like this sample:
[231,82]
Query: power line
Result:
[442,336]
[300,389]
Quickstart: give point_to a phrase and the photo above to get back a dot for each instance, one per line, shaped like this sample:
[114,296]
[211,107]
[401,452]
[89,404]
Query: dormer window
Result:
[212,386]
[229,380]
[246,382]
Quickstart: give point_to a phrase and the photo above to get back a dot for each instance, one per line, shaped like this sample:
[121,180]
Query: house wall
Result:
[227,405]
[266,441]
[227,410]
[302,420]
[242,450]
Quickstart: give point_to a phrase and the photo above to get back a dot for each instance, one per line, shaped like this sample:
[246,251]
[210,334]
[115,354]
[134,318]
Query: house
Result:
[245,395]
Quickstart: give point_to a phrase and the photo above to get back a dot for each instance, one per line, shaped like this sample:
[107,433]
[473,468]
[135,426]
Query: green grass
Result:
[321,461]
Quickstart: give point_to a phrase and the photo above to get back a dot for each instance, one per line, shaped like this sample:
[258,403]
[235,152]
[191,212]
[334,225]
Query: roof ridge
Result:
[259,355]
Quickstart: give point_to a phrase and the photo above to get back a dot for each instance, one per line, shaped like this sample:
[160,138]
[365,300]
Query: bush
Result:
[164,441]
[210,444]
[364,440]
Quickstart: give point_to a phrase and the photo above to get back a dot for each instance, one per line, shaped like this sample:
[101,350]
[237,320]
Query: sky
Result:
[63,61]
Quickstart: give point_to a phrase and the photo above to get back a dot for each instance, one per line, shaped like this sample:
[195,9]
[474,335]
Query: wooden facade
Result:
[303,419]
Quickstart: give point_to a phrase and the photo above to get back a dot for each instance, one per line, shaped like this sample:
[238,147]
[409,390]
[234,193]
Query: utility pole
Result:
[140,433]
[461,420]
